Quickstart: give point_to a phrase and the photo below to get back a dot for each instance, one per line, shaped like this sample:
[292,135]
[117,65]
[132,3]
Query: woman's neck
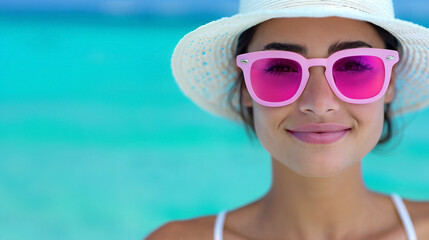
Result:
[336,207]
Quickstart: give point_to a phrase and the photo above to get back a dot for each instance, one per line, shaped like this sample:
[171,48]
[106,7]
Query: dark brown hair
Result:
[246,113]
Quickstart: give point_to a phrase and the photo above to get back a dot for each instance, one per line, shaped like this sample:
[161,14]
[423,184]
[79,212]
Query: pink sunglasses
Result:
[277,78]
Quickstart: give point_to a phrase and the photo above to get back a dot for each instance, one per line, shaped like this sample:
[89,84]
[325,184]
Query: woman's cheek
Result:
[370,121]
[270,127]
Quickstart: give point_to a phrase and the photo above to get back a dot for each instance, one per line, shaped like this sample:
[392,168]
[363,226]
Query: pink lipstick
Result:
[319,133]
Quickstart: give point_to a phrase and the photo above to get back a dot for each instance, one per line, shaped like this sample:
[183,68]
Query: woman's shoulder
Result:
[198,228]
[201,228]
[417,208]
[419,214]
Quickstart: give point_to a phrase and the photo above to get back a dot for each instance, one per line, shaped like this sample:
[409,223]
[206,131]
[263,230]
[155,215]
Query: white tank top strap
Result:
[405,217]
[220,220]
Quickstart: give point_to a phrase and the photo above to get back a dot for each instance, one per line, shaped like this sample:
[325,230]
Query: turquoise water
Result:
[97,142]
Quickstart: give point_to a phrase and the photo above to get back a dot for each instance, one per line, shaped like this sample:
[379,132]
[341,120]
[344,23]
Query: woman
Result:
[317,81]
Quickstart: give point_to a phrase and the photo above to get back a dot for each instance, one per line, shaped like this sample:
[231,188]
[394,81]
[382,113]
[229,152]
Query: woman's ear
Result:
[246,99]
[390,93]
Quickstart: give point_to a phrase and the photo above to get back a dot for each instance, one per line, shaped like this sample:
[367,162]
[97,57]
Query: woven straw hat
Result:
[203,62]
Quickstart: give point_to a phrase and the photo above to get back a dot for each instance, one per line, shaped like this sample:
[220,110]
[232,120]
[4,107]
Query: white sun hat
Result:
[203,61]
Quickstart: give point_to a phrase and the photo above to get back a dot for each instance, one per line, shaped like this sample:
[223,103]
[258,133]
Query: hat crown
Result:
[380,8]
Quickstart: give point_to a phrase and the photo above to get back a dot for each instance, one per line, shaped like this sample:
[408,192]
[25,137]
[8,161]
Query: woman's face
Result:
[318,104]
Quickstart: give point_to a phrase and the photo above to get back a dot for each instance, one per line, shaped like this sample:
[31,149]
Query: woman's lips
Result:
[319,133]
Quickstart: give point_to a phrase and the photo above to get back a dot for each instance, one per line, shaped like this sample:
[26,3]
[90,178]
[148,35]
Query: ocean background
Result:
[98,142]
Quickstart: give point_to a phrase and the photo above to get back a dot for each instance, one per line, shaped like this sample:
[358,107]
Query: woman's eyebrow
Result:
[303,50]
[347,45]
[286,47]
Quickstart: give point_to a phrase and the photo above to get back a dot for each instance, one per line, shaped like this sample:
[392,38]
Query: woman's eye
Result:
[281,68]
[353,66]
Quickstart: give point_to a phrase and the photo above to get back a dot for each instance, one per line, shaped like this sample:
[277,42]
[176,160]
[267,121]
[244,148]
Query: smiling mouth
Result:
[320,137]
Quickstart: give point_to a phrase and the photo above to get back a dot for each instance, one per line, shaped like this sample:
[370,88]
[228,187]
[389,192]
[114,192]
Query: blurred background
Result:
[97,141]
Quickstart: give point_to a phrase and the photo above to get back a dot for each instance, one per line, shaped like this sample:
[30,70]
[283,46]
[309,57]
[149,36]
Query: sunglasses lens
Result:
[359,77]
[275,79]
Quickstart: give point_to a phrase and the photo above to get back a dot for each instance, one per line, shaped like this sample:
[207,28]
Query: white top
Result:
[400,206]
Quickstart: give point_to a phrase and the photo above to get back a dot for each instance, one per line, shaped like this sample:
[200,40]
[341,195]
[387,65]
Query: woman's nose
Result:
[318,98]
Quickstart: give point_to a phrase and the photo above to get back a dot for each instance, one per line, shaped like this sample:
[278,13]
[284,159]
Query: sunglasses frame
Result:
[246,60]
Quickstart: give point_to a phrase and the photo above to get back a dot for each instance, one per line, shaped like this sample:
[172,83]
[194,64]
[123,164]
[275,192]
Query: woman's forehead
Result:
[314,33]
